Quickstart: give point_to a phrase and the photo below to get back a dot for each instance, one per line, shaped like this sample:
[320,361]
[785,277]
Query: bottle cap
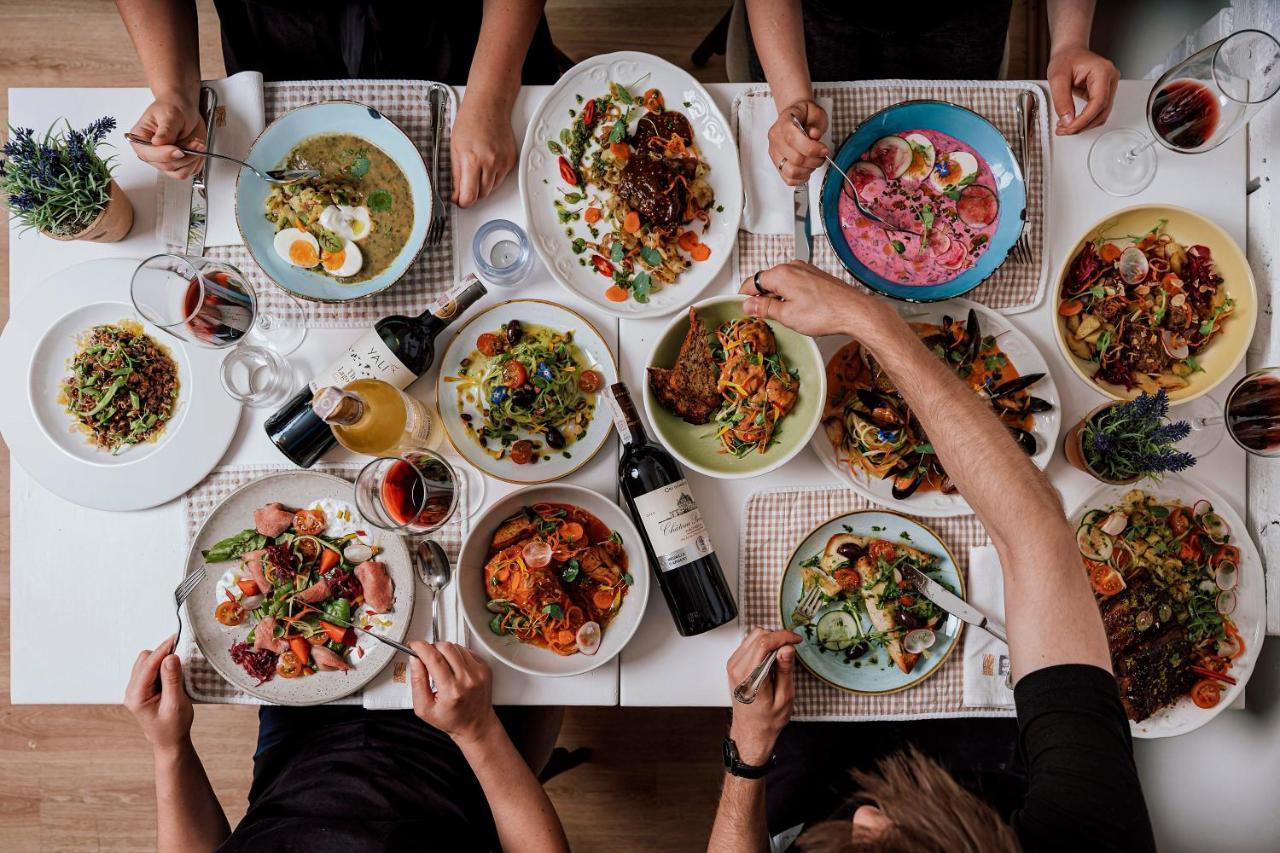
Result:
[335,406]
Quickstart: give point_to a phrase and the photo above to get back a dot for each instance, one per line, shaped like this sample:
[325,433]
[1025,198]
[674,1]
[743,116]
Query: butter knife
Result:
[953,604]
[804,238]
[198,218]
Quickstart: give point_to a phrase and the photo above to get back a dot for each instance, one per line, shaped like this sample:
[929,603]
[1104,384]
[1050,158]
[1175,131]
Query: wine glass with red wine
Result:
[1253,412]
[213,305]
[414,493]
[1195,106]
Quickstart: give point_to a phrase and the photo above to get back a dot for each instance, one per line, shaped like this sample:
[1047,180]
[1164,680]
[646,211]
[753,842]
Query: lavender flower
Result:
[57,183]
[1135,439]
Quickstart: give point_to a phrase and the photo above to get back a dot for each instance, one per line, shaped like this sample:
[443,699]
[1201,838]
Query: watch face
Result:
[729,750]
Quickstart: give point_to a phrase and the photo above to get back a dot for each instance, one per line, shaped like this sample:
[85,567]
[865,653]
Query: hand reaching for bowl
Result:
[171,121]
[794,152]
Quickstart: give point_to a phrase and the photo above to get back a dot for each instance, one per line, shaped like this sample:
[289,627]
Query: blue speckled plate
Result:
[274,144]
[968,127]
[874,672]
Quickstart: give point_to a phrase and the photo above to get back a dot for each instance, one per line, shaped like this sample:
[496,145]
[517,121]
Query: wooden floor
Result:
[79,777]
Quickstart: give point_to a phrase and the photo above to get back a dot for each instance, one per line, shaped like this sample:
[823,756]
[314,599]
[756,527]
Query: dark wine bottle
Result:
[396,350]
[675,537]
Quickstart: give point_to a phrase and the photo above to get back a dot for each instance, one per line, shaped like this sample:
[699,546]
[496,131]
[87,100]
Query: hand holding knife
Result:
[953,604]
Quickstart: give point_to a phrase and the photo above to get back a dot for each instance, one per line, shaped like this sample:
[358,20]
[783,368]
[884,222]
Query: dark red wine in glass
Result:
[419,501]
[1253,414]
[225,313]
[1185,114]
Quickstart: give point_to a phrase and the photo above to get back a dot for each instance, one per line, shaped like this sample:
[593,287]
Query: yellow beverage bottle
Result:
[375,418]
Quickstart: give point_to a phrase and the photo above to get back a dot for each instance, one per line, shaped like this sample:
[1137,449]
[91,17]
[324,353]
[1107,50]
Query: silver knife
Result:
[804,240]
[953,604]
[198,220]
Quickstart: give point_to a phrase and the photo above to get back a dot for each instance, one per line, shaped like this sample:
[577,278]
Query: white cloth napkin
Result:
[391,689]
[768,208]
[986,659]
[240,117]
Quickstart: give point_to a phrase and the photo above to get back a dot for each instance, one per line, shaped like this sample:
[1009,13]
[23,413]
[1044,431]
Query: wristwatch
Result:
[736,767]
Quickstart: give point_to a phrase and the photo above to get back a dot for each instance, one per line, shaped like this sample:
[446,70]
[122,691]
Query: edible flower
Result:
[498,394]
[544,371]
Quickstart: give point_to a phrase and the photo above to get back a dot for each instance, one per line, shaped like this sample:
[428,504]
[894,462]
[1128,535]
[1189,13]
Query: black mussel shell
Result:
[905,485]
[1016,384]
[1025,440]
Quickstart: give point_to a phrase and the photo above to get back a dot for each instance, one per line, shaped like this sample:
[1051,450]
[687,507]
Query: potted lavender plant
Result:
[61,186]
[1121,443]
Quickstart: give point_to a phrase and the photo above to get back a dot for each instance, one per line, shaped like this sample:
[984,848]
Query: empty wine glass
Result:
[1206,421]
[1194,106]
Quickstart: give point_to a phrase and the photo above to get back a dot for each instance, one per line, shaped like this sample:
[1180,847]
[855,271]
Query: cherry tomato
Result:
[229,613]
[589,113]
[602,265]
[1178,521]
[308,549]
[309,522]
[881,550]
[653,101]
[589,382]
[1206,693]
[488,344]
[567,174]
[1105,580]
[514,374]
[906,600]
[288,666]
[521,452]
[848,579]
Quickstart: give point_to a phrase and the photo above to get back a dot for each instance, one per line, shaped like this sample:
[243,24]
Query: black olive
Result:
[850,552]
[523,397]
[857,650]
[514,332]
[555,438]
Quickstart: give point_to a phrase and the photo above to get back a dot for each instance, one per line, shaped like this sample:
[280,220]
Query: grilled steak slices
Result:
[654,190]
[689,388]
[1151,666]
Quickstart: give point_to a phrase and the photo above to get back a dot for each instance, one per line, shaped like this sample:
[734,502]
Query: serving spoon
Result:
[435,572]
[852,191]
[271,176]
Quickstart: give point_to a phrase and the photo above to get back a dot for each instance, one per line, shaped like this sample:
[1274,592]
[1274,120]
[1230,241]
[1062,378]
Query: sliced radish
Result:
[1227,602]
[1115,523]
[1133,266]
[939,243]
[954,257]
[357,552]
[892,154]
[922,157]
[1215,527]
[1226,576]
[536,554]
[588,638]
[865,176]
[918,640]
[1202,506]
[978,206]
[1174,344]
[252,602]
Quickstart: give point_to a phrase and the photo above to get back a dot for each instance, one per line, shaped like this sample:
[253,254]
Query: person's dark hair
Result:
[926,809]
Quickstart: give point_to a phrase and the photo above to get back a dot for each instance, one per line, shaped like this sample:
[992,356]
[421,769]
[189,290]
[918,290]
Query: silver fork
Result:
[182,593]
[1023,110]
[435,231]
[745,692]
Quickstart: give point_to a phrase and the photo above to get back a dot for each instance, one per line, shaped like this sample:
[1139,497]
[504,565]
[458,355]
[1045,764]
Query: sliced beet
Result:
[939,243]
[978,206]
[863,174]
[892,154]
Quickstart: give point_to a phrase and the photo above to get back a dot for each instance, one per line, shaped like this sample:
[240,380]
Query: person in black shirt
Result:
[445,776]
[480,44]
[1063,778]
[795,42]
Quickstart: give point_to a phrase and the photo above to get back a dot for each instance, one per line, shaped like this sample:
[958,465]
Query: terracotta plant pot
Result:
[111,225]
[1073,447]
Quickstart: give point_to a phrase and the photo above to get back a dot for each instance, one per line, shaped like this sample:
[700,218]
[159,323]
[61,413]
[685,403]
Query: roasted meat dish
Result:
[1150,666]
[654,190]
[689,388]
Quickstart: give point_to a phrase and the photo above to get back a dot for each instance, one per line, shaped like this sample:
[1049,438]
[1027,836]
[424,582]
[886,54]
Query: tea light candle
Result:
[502,253]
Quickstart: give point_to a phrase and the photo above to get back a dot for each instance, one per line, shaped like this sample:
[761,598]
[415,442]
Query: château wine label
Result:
[674,525]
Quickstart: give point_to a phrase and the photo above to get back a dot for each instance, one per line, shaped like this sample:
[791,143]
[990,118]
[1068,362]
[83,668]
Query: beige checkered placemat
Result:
[204,684]
[1014,287]
[405,103]
[774,522]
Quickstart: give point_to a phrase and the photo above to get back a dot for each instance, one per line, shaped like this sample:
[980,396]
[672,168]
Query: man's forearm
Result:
[505,35]
[188,815]
[741,826]
[1069,23]
[777,29]
[522,811]
[165,34]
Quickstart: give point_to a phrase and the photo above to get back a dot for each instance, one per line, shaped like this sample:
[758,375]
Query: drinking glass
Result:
[414,493]
[213,305]
[1194,106]
[1206,420]
[1253,412]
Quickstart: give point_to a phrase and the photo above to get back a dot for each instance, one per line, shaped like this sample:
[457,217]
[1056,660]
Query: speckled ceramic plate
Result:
[293,489]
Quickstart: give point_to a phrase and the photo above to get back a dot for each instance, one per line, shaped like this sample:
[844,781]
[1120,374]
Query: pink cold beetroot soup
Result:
[930,183]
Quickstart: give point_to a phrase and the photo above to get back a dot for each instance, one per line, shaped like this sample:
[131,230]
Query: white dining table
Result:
[113,573]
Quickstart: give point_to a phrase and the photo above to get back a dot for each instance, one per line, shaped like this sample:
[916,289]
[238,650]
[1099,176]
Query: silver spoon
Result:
[434,571]
[852,191]
[271,176]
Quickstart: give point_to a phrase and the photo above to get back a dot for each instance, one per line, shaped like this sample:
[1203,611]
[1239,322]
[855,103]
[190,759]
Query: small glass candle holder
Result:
[502,253]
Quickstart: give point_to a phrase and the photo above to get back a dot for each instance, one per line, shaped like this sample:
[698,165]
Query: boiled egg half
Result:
[952,169]
[344,262]
[349,222]
[297,247]
[922,157]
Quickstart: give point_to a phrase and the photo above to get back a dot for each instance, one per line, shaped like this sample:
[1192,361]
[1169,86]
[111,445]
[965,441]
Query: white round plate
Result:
[527,657]
[1250,614]
[594,349]
[540,182]
[235,513]
[1024,356]
[39,342]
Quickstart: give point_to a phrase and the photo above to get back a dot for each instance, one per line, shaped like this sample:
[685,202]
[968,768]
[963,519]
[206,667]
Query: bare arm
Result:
[1050,612]
[740,818]
[461,708]
[188,815]
[483,145]
[1075,69]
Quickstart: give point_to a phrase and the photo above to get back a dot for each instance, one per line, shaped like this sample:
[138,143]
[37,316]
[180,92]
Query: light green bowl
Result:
[696,446]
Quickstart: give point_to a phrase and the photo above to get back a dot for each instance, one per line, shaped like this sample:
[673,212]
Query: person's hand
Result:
[462,705]
[170,122]
[756,727]
[483,148]
[806,299]
[165,714]
[794,152]
[1078,70]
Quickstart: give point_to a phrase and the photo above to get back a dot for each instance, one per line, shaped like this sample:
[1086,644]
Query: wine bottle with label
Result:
[396,350]
[375,418]
[675,537]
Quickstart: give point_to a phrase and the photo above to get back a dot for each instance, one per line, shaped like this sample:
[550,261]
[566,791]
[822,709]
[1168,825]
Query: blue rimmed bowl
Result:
[274,144]
[966,126]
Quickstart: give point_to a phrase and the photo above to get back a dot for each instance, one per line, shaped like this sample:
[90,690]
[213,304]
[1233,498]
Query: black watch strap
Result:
[736,767]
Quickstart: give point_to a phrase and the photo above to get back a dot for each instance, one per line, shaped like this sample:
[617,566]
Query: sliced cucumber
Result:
[1094,516]
[837,630]
[1093,543]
